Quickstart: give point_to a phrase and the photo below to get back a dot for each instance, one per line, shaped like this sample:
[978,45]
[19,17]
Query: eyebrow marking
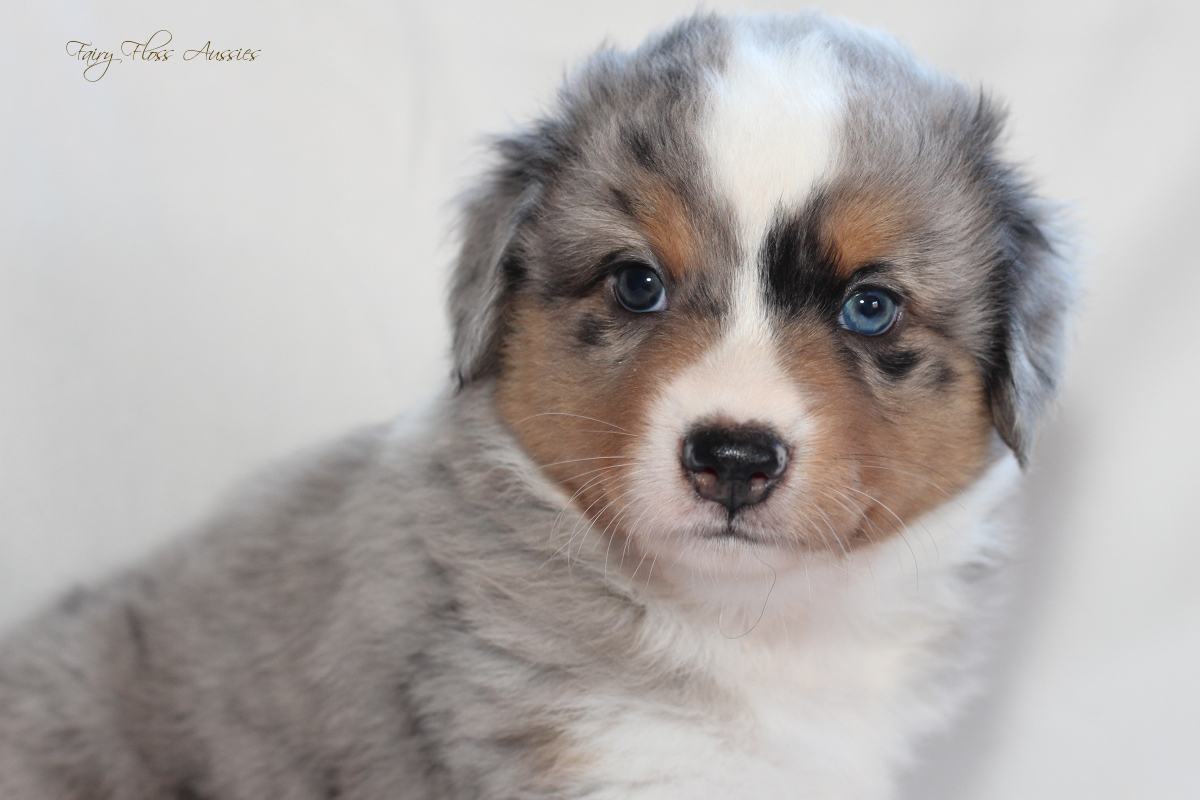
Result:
[857,229]
[663,217]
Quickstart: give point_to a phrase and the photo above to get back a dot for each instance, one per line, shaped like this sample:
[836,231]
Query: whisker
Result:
[579,491]
[592,518]
[577,416]
[860,456]
[854,510]
[637,521]
[908,544]
[576,460]
[884,491]
[604,468]
[650,572]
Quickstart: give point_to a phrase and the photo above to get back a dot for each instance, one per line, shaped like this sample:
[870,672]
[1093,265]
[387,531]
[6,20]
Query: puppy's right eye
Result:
[638,288]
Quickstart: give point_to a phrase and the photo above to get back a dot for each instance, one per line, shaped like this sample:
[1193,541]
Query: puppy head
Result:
[761,282]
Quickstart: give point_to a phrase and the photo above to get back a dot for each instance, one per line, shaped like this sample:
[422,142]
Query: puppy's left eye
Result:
[870,312]
[639,289]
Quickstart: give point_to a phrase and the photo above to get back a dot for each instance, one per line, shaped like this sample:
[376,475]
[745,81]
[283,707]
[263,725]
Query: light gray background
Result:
[204,266]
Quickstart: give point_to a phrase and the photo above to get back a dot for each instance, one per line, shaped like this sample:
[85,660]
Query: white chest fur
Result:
[839,666]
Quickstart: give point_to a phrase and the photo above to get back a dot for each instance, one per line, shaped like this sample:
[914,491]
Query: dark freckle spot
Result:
[640,146]
[333,785]
[711,305]
[448,614]
[975,571]
[591,332]
[74,602]
[624,203]
[136,630]
[186,791]
[945,377]
[897,364]
[849,357]
[513,270]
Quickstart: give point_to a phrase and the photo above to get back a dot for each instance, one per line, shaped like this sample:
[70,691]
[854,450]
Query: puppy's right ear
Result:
[490,263]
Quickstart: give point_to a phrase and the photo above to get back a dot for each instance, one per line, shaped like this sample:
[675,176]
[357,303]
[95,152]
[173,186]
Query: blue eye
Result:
[870,312]
[639,289]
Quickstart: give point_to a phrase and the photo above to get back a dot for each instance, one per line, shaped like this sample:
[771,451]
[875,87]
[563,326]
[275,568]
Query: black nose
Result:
[734,466]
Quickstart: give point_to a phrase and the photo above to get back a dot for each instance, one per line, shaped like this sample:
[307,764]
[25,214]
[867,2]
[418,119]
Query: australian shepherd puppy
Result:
[751,334]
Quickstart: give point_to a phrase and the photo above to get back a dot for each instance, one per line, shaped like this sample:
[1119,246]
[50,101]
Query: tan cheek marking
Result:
[943,439]
[579,418]
[839,413]
[859,229]
[870,472]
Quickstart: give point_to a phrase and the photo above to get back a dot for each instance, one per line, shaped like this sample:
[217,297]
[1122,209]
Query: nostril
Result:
[734,465]
[706,481]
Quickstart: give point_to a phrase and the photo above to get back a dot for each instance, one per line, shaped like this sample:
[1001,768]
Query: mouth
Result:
[735,531]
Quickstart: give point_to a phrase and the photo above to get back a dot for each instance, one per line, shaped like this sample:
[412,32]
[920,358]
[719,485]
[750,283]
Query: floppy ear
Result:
[489,265]
[1035,294]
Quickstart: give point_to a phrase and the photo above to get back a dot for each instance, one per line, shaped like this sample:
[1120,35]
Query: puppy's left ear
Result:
[489,262]
[1034,292]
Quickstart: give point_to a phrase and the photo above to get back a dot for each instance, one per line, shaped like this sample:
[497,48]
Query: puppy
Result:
[751,334]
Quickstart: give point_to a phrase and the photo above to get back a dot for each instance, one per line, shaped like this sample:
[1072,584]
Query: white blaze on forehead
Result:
[770,134]
[771,126]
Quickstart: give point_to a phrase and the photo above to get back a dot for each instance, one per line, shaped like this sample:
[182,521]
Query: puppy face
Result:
[760,285]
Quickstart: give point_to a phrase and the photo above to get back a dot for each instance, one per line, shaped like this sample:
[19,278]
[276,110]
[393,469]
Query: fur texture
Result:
[533,588]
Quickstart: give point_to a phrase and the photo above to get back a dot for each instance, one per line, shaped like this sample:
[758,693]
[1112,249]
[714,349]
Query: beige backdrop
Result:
[204,266]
